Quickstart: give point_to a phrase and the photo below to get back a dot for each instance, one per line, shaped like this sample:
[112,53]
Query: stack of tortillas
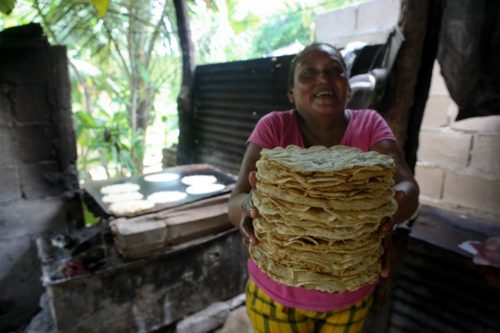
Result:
[320,212]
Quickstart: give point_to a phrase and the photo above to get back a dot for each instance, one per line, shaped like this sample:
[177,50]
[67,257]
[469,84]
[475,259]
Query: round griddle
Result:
[93,190]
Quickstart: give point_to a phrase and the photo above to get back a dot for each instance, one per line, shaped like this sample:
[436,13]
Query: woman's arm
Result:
[406,186]
[239,195]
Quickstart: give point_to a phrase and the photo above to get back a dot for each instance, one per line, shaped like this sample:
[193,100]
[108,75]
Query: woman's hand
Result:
[249,213]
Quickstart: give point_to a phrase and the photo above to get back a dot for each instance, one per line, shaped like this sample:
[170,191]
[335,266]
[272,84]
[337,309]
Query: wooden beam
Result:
[424,77]
[184,100]
[412,21]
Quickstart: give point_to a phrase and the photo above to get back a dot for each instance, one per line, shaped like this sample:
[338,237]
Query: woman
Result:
[319,89]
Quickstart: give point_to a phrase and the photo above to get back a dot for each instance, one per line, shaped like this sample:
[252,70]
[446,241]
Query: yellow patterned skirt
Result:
[268,316]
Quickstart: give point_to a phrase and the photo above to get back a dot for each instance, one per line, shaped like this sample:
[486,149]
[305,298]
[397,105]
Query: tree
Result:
[134,48]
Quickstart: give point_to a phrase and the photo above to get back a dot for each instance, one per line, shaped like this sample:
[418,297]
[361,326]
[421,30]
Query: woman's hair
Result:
[313,46]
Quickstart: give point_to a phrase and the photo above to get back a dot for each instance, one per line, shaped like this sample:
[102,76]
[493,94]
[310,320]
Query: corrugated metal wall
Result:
[441,291]
[229,99]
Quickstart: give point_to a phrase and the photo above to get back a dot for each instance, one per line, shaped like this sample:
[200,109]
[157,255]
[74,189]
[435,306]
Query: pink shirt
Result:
[280,129]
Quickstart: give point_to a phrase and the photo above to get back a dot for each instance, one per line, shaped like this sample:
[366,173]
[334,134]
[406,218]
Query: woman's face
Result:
[320,83]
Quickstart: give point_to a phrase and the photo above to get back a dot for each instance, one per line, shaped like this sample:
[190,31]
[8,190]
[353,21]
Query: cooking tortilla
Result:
[122,196]
[166,196]
[198,180]
[204,189]
[161,177]
[130,208]
[120,188]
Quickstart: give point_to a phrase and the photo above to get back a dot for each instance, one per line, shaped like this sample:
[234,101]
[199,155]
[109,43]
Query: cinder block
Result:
[31,218]
[41,180]
[444,148]
[373,15]
[31,104]
[11,247]
[35,143]
[436,112]
[438,85]
[59,62]
[484,125]
[430,179]
[486,154]
[20,276]
[11,187]
[24,66]
[335,24]
[7,148]
[5,108]
[472,191]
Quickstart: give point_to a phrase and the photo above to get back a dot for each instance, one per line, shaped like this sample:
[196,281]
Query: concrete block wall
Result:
[369,21]
[39,184]
[458,161]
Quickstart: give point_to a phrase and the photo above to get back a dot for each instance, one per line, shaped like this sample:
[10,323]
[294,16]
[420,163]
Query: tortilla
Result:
[130,208]
[122,196]
[161,177]
[333,159]
[120,188]
[166,196]
[198,180]
[204,189]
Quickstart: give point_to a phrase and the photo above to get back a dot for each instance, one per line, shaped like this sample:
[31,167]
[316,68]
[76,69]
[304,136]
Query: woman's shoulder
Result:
[364,113]
[276,118]
[367,116]
[278,114]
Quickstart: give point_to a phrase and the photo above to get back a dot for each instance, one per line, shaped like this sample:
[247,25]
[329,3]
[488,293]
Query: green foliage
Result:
[6,6]
[107,140]
[136,56]
[249,22]
[283,31]
[88,216]
[101,6]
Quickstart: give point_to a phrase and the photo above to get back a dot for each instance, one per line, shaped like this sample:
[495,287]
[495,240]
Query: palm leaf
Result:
[6,6]
[101,6]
